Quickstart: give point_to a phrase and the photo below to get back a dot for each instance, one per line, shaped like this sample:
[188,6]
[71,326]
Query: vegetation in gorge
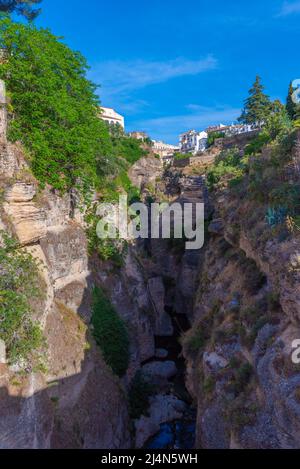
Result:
[107,249]
[21,334]
[110,333]
[139,394]
[230,164]
[110,249]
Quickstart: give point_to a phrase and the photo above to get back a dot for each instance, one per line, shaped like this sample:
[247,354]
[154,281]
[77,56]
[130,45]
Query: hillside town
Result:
[192,142]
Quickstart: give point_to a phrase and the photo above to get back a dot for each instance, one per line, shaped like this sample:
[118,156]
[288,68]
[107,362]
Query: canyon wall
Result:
[76,402]
[246,317]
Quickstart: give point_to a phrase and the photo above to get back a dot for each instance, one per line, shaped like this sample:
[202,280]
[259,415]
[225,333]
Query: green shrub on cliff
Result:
[213,136]
[286,195]
[110,333]
[257,144]
[18,285]
[228,164]
[128,148]
[53,106]
[181,156]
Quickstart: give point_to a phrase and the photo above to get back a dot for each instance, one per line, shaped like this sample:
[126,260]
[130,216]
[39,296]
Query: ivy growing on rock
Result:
[20,333]
[110,333]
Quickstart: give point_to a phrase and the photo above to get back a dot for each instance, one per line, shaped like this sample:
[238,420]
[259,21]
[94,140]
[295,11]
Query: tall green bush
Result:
[230,164]
[110,333]
[18,285]
[53,106]
[213,136]
[139,395]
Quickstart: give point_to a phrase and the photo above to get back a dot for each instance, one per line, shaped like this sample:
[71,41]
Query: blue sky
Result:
[171,65]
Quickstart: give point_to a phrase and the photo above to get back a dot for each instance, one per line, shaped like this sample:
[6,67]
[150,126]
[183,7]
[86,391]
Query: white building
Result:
[237,129]
[164,149]
[231,130]
[112,117]
[193,142]
[138,135]
[216,128]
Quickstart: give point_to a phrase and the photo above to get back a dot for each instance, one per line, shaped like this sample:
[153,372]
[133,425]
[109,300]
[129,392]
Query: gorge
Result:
[149,342]
[210,332]
[233,306]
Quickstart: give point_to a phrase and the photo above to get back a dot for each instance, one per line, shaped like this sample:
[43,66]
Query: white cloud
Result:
[168,128]
[120,76]
[288,8]
[119,79]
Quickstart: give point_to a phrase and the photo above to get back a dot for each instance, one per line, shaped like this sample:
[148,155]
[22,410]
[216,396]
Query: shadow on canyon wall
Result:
[78,404]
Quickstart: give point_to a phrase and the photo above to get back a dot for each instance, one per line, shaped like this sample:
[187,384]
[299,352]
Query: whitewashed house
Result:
[112,117]
[164,149]
[193,142]
[138,135]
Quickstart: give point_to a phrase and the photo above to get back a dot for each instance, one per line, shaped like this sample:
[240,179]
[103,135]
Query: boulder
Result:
[20,192]
[163,408]
[145,171]
[214,361]
[27,219]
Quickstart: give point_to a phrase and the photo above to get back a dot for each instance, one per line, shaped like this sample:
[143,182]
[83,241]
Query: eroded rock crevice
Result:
[172,415]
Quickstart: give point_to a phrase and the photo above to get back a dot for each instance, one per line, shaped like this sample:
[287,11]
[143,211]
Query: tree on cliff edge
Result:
[257,106]
[53,107]
[291,107]
[22,7]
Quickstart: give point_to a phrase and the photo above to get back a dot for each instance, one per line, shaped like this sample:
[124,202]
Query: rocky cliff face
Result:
[77,402]
[146,171]
[238,297]
[246,316]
